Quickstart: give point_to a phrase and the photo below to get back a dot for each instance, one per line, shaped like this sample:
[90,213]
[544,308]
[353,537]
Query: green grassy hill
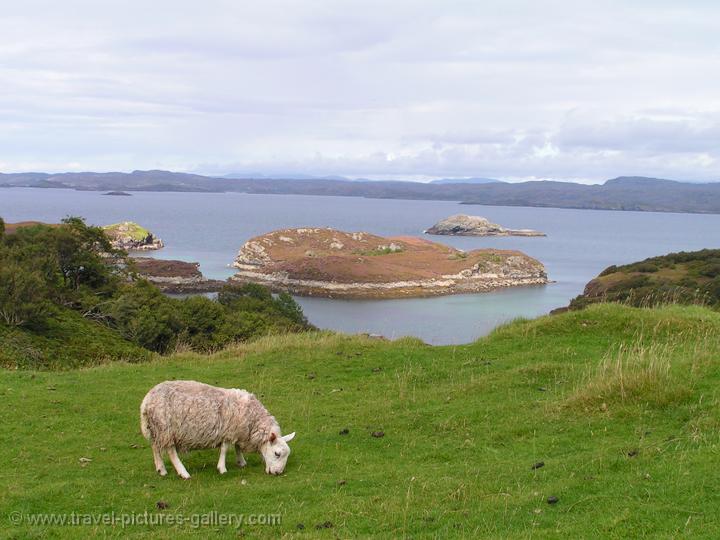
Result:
[619,403]
[687,277]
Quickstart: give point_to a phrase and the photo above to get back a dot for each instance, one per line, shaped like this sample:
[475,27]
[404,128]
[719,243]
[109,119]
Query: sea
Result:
[209,228]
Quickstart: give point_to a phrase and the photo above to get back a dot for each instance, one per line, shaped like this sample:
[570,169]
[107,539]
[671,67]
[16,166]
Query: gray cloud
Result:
[408,89]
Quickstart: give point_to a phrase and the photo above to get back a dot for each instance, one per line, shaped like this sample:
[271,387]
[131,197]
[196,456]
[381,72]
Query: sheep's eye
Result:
[277,454]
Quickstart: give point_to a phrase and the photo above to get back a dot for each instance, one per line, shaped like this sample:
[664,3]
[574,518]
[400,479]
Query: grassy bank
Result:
[620,404]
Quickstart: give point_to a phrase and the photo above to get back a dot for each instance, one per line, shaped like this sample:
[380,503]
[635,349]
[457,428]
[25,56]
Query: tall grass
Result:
[654,372]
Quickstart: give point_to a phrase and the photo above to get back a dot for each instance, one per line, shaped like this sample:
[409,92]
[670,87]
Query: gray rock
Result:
[462,225]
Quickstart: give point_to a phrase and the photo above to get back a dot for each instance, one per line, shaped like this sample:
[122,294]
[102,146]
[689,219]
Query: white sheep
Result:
[186,415]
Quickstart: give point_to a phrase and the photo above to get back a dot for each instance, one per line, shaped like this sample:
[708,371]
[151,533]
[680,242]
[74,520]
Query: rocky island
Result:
[337,264]
[175,276]
[132,237]
[462,225]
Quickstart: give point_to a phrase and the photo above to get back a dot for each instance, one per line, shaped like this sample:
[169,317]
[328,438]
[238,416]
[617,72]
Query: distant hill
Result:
[290,176]
[623,193]
[465,181]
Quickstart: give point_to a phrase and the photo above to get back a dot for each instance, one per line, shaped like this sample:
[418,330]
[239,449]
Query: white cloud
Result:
[512,88]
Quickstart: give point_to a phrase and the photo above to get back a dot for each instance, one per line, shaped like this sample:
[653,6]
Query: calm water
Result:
[209,228]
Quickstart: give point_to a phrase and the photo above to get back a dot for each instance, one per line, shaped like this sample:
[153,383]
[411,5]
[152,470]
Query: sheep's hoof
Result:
[161,472]
[185,477]
[222,471]
[241,464]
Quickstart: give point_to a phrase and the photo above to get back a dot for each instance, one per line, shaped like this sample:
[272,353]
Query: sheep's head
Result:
[275,452]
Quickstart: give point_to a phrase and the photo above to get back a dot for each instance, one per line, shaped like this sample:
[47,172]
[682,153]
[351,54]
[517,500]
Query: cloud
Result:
[408,89]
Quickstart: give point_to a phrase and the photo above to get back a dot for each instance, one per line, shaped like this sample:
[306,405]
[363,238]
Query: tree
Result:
[143,315]
[202,319]
[291,309]
[23,295]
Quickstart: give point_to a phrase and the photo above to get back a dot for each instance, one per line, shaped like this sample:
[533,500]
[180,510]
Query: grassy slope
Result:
[463,426]
[68,340]
[685,277]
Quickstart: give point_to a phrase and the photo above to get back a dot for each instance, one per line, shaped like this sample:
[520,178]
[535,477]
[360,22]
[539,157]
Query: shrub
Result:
[202,320]
[646,267]
[710,270]
[23,294]
[609,270]
[145,316]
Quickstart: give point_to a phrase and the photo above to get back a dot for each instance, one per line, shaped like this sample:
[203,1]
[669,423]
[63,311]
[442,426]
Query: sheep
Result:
[186,415]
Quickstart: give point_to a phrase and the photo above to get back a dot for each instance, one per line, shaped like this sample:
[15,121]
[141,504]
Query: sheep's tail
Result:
[144,424]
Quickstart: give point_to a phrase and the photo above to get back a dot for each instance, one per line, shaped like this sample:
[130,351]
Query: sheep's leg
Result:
[159,463]
[175,460]
[221,462]
[239,459]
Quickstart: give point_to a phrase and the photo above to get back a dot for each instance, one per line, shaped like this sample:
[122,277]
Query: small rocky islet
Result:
[130,236]
[336,264]
[464,225]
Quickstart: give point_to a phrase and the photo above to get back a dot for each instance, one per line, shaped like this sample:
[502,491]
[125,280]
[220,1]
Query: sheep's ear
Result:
[273,437]
[288,438]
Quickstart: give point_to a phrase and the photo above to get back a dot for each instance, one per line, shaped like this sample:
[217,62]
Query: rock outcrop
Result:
[175,276]
[132,237]
[327,262]
[462,225]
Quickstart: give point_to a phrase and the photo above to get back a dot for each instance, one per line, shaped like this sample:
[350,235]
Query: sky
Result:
[512,89]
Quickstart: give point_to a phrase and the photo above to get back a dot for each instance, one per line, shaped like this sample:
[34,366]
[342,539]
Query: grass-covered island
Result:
[131,236]
[596,423]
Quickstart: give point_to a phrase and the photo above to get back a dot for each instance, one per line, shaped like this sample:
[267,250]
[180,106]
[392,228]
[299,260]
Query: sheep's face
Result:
[275,452]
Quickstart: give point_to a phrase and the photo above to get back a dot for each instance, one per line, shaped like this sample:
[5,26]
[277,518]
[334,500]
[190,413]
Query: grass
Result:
[463,427]
[134,231]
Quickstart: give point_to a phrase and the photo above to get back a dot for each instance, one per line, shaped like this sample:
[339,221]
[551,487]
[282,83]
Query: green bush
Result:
[23,294]
[202,323]
[145,316]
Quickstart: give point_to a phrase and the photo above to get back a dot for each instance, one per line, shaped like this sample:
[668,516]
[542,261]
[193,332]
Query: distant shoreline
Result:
[513,204]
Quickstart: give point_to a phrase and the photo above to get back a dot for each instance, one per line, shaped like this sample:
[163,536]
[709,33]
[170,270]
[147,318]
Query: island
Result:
[11,228]
[463,225]
[175,277]
[132,237]
[336,264]
[118,194]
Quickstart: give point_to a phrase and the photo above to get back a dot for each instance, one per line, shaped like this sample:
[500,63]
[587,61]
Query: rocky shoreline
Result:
[175,277]
[337,264]
[388,290]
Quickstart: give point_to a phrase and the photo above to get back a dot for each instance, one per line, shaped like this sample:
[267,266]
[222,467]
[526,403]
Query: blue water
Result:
[210,228]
